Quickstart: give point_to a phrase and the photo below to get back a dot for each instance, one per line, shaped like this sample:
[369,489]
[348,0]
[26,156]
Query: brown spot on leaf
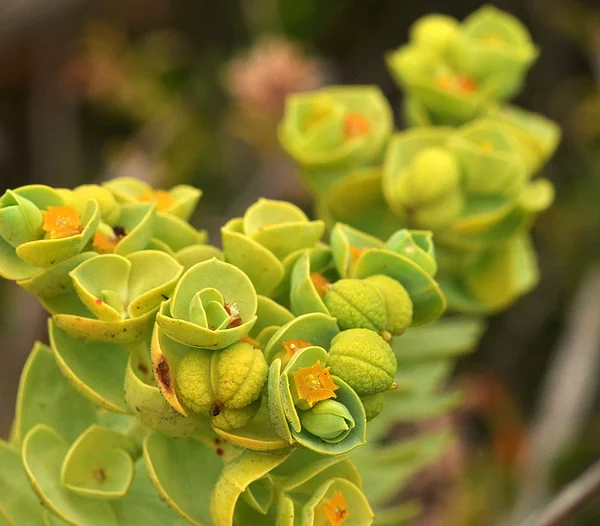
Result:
[142,368]
[99,475]
[163,374]
[220,452]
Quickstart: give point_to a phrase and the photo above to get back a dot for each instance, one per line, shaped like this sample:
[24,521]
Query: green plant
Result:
[259,384]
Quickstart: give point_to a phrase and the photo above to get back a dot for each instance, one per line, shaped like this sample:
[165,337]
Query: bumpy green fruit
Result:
[356,304]
[214,381]
[230,418]
[364,360]
[399,307]
[373,405]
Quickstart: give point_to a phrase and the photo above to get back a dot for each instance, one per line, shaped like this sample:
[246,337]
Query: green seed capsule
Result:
[373,405]
[364,360]
[223,383]
[399,307]
[356,304]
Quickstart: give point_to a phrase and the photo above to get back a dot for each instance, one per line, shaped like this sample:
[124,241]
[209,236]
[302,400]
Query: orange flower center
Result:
[336,509]
[104,244]
[321,283]
[356,252]
[457,83]
[356,125]
[291,346]
[62,221]
[314,383]
[161,198]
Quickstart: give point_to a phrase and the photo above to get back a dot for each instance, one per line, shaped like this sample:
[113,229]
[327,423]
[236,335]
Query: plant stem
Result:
[570,499]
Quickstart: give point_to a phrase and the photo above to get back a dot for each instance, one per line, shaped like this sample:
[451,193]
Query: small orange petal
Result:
[291,346]
[61,221]
[161,198]
[336,509]
[356,252]
[104,244]
[356,125]
[456,83]
[314,383]
[321,283]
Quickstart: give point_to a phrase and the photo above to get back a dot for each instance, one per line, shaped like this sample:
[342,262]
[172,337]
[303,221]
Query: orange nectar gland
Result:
[356,253]
[457,83]
[292,346]
[356,125]
[321,283]
[161,198]
[61,221]
[314,383]
[336,509]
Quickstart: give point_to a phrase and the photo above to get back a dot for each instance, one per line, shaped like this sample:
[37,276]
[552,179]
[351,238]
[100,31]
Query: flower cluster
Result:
[279,345]
[472,185]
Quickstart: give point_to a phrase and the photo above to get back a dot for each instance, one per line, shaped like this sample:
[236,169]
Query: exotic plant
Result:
[259,384]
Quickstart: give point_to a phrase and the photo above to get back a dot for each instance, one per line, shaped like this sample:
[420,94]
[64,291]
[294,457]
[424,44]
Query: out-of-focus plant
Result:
[473,185]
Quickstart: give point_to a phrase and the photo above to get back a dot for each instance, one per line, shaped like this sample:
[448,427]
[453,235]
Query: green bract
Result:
[330,429]
[267,239]
[120,295]
[180,201]
[336,126]
[34,232]
[213,306]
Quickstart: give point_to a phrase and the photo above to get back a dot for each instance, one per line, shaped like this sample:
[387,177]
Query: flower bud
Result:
[373,405]
[223,382]
[328,420]
[398,305]
[356,304]
[364,360]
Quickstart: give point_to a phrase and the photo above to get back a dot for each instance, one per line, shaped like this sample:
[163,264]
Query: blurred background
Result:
[189,91]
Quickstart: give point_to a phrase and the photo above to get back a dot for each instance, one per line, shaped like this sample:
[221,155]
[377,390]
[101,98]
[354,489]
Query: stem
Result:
[569,500]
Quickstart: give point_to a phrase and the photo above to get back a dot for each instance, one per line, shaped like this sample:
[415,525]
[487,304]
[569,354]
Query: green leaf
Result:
[96,370]
[46,397]
[18,503]
[43,454]
[184,472]
[447,338]
[235,478]
[99,464]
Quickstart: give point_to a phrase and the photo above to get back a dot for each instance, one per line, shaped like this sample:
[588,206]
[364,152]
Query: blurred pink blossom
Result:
[264,76]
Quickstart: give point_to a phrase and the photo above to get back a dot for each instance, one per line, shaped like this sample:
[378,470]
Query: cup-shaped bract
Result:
[296,396]
[121,295]
[223,385]
[180,201]
[336,126]
[39,228]
[270,234]
[213,305]
[110,209]
[496,49]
